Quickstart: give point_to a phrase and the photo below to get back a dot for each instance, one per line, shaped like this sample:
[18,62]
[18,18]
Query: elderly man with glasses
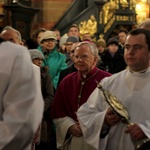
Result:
[72,92]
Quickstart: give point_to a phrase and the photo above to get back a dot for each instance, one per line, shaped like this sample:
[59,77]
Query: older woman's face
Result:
[49,44]
[37,61]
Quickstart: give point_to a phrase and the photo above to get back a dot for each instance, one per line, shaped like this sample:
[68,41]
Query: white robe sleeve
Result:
[62,126]
[91,116]
[21,103]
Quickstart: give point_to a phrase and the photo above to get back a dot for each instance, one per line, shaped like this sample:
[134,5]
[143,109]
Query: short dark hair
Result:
[36,33]
[73,26]
[141,31]
[55,29]
[123,30]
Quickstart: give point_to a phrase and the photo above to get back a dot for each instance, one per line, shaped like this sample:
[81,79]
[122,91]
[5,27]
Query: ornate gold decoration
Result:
[124,3]
[122,18]
[115,104]
[101,36]
[132,4]
[108,13]
[108,10]
[89,26]
[100,17]
[109,24]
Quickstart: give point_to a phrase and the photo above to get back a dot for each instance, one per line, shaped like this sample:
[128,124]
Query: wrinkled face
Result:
[48,44]
[37,61]
[12,36]
[85,61]
[137,54]
[122,37]
[73,32]
[113,48]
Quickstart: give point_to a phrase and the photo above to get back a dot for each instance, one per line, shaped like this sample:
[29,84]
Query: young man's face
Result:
[137,53]
[113,48]
[73,32]
[122,37]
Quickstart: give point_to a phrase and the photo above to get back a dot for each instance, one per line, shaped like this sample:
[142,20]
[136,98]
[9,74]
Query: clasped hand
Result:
[75,130]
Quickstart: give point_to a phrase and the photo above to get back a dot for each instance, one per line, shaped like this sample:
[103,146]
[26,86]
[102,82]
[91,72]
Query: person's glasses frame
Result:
[82,57]
[49,40]
[38,59]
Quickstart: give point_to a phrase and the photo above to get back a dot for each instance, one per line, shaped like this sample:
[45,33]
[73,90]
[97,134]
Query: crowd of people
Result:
[50,95]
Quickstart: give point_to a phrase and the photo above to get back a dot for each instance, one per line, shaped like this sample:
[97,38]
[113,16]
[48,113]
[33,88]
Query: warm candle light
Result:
[148,2]
[138,6]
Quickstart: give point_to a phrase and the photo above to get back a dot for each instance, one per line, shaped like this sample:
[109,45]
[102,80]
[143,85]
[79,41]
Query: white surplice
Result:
[21,102]
[133,89]
[72,143]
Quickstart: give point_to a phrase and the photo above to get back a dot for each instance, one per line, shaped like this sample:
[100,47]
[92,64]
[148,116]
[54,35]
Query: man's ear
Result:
[96,59]
[21,43]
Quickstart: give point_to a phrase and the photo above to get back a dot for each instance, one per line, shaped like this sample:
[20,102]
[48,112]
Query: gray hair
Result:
[145,24]
[11,28]
[91,46]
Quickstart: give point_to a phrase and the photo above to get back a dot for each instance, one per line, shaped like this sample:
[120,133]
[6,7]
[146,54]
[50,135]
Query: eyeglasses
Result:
[82,57]
[68,44]
[38,59]
[49,40]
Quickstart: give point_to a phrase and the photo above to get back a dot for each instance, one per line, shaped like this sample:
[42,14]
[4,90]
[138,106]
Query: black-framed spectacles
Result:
[38,59]
[49,40]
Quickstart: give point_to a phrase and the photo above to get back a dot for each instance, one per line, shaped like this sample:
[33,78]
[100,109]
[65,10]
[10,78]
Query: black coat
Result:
[65,72]
[48,95]
[113,64]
